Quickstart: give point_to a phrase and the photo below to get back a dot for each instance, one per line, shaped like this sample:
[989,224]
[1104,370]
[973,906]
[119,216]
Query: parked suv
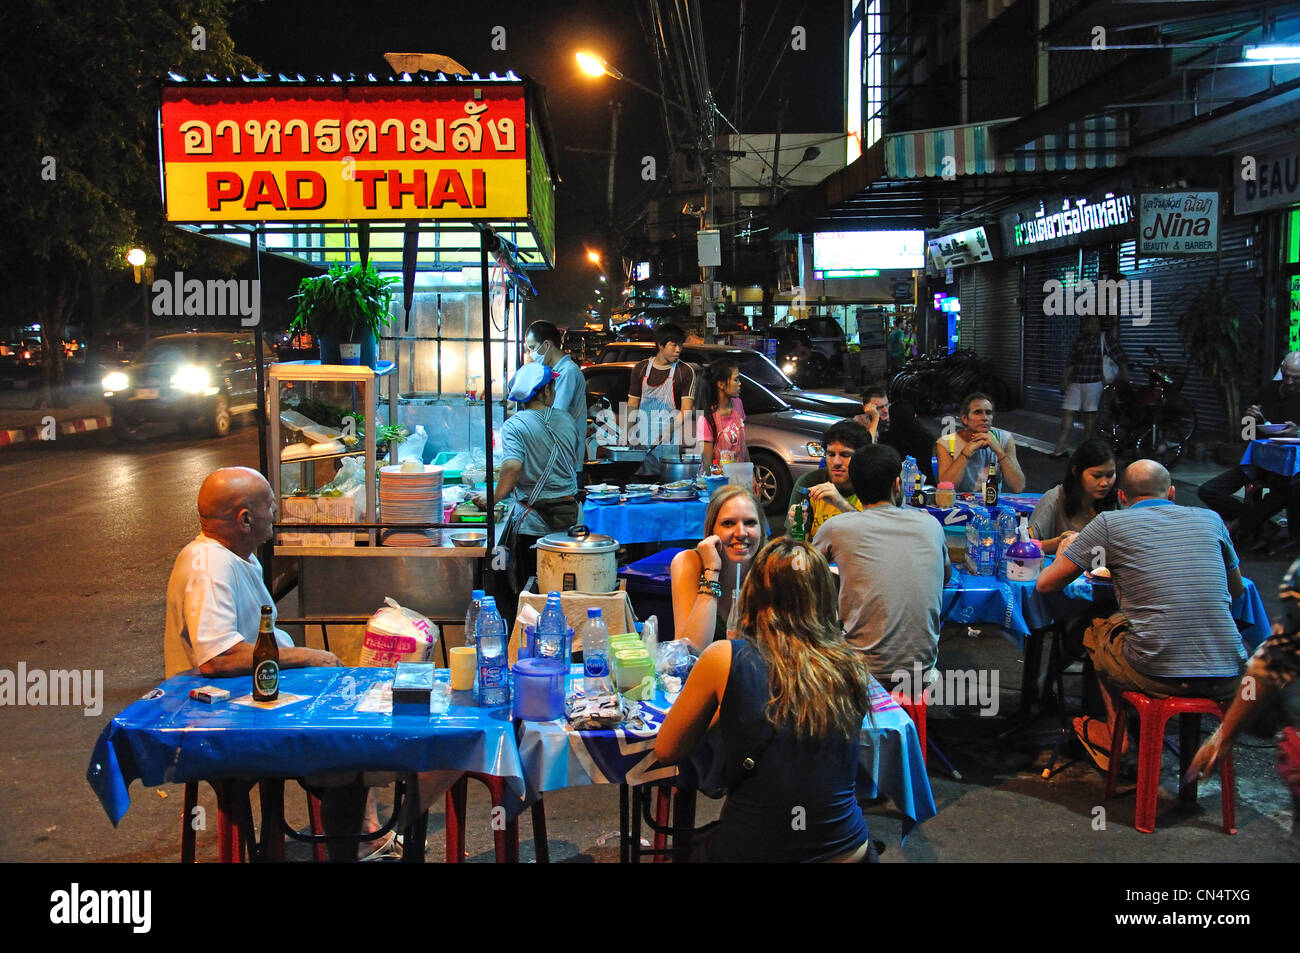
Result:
[200,379]
[752,364]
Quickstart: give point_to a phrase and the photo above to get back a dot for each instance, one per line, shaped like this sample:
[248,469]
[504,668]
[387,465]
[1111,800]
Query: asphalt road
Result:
[93,528]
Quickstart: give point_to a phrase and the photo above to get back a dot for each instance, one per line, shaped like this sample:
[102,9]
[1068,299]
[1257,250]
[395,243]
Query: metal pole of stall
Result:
[486,235]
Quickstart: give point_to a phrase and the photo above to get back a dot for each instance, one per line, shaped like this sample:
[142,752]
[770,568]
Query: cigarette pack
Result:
[209,694]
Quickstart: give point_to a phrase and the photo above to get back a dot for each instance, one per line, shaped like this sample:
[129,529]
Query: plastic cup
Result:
[464,661]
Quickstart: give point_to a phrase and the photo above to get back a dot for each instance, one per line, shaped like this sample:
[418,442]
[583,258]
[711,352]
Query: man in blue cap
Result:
[537,470]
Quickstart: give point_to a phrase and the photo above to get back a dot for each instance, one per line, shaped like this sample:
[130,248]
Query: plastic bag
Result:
[412,448]
[395,634]
[675,658]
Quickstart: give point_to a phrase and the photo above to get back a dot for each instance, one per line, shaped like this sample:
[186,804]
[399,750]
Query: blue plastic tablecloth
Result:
[1018,608]
[1283,458]
[647,522]
[554,756]
[173,739]
[959,514]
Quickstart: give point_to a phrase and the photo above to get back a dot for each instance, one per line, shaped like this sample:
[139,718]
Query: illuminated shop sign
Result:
[1178,223]
[339,153]
[960,248]
[1067,221]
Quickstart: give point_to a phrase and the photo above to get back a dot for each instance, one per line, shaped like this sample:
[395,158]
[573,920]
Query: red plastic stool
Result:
[507,840]
[1153,714]
[231,844]
[916,711]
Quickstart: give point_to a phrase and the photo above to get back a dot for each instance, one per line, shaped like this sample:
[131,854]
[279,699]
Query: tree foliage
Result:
[80,97]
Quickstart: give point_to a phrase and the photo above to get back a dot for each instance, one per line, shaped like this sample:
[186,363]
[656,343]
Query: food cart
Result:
[442,180]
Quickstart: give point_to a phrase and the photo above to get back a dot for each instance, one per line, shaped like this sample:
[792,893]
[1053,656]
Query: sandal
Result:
[388,849]
[1100,756]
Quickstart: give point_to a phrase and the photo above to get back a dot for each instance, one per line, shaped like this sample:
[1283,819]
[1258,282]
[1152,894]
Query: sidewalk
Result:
[23,420]
[1038,431]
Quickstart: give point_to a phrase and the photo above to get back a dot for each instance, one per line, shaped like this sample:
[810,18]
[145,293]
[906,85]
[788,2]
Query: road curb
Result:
[35,432]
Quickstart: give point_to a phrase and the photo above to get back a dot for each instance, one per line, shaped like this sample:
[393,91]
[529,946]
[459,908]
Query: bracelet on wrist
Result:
[709,587]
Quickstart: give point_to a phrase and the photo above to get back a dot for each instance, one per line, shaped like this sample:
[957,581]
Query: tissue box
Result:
[412,689]
[318,509]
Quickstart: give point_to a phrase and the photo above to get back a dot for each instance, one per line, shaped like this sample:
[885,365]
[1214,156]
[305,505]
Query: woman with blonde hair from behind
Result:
[788,696]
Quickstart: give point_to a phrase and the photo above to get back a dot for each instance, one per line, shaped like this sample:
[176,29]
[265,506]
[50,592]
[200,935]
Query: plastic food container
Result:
[945,495]
[539,689]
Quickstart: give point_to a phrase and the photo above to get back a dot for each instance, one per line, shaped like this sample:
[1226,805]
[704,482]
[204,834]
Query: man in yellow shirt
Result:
[830,497]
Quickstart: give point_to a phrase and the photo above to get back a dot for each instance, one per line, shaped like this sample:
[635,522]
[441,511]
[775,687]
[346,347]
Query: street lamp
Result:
[136,258]
[593,256]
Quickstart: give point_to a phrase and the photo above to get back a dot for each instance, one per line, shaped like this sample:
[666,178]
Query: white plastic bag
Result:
[412,448]
[395,634]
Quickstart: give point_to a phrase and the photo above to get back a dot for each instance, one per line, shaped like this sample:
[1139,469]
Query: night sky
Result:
[541,38]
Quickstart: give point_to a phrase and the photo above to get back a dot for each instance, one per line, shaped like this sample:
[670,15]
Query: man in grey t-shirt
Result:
[893,565]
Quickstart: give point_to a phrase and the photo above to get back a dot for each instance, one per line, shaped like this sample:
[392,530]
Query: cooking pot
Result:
[577,560]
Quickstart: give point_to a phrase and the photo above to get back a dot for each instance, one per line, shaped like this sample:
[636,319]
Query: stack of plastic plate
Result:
[410,498]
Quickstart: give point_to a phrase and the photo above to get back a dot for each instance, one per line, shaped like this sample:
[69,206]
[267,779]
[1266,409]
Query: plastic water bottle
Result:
[551,630]
[471,616]
[1008,531]
[911,473]
[490,645]
[934,467]
[595,654]
[981,546]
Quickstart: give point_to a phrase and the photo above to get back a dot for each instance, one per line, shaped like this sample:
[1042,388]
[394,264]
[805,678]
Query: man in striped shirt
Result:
[1175,574]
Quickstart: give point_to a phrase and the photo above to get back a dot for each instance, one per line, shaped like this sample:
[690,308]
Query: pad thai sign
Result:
[335,153]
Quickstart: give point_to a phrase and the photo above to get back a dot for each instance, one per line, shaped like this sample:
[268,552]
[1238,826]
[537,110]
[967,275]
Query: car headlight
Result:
[191,379]
[788,367]
[815,449]
[116,381]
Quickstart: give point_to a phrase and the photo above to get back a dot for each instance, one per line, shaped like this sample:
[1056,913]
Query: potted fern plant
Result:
[1210,326]
[346,309]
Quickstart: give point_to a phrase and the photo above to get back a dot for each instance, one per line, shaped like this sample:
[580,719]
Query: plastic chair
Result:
[916,710]
[507,838]
[1153,714]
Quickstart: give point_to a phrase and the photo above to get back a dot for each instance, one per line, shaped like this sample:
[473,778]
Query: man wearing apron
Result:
[661,389]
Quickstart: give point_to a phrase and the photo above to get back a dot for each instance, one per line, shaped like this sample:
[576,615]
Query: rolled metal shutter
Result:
[1048,337]
[1173,282]
[990,319]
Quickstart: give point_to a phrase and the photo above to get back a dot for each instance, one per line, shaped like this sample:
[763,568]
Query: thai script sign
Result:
[1177,223]
[336,153]
[1066,222]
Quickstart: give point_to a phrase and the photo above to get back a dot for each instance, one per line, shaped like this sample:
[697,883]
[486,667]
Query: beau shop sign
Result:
[1266,180]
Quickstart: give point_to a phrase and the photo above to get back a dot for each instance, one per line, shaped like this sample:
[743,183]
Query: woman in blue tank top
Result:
[789,696]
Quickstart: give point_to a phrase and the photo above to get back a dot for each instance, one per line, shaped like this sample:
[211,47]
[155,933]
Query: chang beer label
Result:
[266,677]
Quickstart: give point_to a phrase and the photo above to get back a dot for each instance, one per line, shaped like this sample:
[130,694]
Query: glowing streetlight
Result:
[593,65]
[593,256]
[136,257]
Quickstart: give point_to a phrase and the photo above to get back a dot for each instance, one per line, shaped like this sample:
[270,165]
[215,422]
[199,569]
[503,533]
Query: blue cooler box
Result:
[650,589]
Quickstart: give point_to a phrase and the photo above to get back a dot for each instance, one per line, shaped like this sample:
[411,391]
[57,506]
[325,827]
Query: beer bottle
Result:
[991,486]
[266,661]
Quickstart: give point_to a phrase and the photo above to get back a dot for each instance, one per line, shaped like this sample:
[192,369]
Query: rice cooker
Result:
[577,560]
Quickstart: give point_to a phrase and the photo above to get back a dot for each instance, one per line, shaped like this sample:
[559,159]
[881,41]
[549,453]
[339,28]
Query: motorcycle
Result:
[1145,416]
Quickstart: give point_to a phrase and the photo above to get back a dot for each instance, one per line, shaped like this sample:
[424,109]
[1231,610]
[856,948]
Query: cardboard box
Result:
[318,509]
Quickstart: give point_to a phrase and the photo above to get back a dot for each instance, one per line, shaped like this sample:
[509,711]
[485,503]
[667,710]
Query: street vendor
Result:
[537,470]
[542,341]
[662,388]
